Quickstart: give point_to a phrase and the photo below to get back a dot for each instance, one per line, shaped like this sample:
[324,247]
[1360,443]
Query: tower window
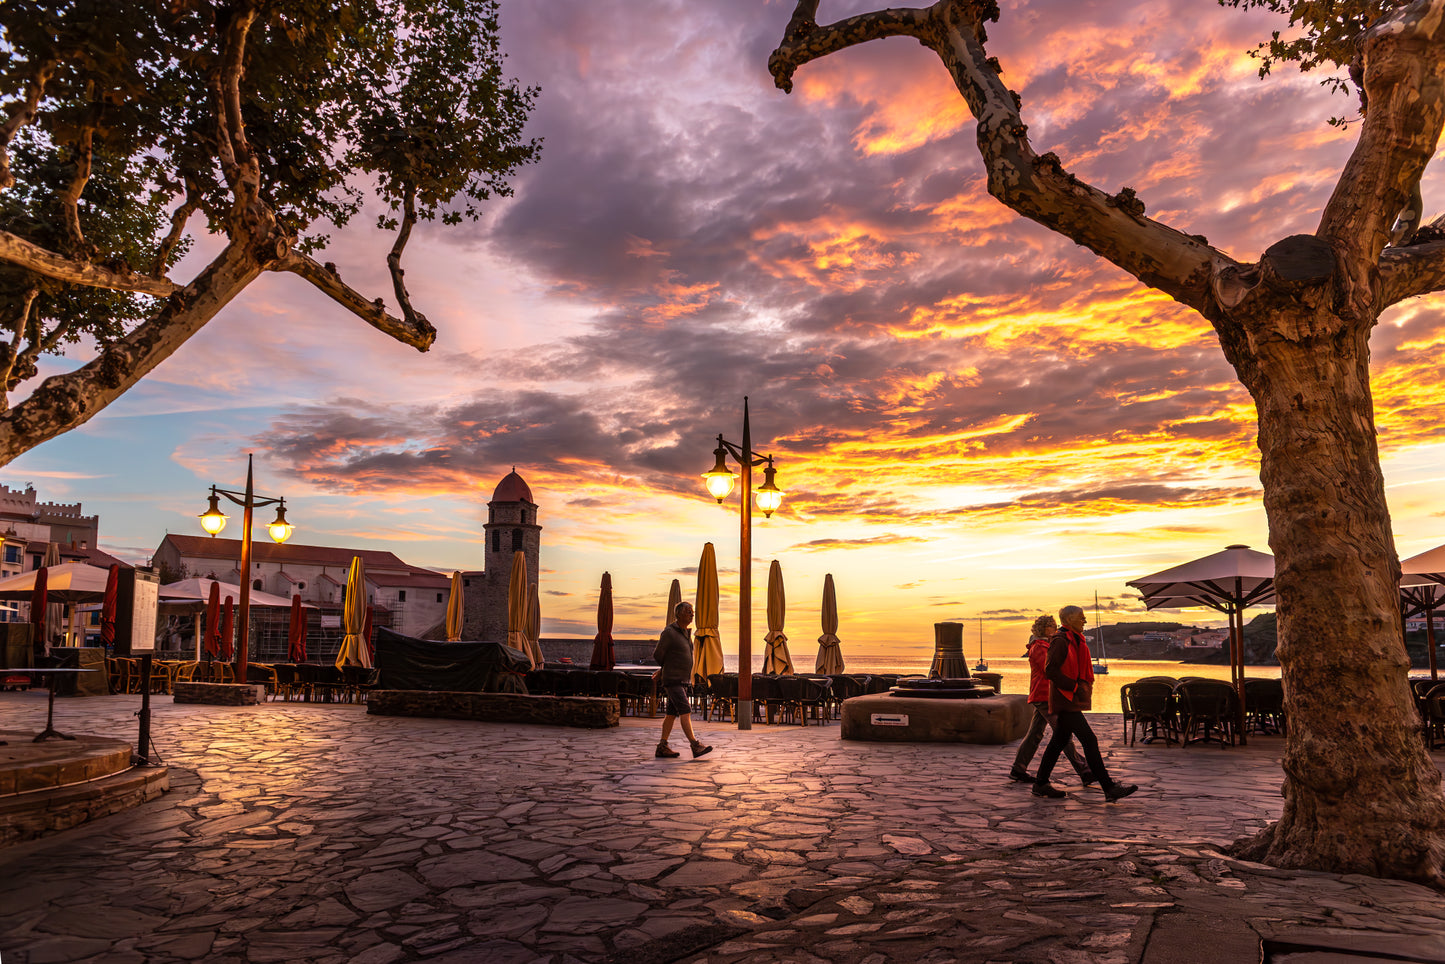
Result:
[516,540]
[496,540]
[401,595]
[439,597]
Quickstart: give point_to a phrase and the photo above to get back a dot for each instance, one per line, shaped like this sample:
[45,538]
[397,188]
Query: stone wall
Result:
[221,694]
[590,712]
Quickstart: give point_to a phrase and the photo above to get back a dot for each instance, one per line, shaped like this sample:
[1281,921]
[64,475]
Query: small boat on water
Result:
[1101,662]
[982,665]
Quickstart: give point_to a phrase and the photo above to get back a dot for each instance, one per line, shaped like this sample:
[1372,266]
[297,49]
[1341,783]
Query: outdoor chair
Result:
[1418,689]
[1435,716]
[813,696]
[632,693]
[1150,705]
[356,681]
[328,683]
[262,673]
[1264,706]
[701,695]
[845,687]
[160,681]
[184,673]
[723,690]
[1209,708]
[770,696]
[114,681]
[285,681]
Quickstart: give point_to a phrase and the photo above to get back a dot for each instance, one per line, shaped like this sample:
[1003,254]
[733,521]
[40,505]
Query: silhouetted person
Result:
[674,656]
[1038,654]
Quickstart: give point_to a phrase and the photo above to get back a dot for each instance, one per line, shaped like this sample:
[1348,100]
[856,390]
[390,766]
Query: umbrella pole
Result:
[1239,671]
[1430,639]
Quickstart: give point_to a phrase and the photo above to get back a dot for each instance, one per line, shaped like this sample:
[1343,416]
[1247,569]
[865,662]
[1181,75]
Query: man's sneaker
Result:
[666,752]
[1047,790]
[1020,776]
[1118,792]
[698,749]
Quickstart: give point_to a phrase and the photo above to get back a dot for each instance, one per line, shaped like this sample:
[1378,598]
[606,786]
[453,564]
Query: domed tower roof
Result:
[513,488]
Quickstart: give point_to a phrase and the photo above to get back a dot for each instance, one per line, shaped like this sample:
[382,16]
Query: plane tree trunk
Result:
[1361,793]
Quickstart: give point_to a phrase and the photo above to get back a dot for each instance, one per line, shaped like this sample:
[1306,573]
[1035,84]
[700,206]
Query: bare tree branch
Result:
[804,40]
[16,250]
[10,352]
[233,150]
[415,331]
[63,402]
[21,113]
[1037,187]
[70,197]
[1414,270]
[1403,59]
[393,261]
[182,215]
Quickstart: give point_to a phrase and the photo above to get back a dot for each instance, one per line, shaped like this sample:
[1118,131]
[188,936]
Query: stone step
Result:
[58,784]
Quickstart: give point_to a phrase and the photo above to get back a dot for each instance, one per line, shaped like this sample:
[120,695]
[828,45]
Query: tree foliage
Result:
[130,126]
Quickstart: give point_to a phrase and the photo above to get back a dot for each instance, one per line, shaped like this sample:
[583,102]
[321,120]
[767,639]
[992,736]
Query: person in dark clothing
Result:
[674,656]
[1070,671]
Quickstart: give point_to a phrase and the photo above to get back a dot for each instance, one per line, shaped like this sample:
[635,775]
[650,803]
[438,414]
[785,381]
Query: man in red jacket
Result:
[1070,671]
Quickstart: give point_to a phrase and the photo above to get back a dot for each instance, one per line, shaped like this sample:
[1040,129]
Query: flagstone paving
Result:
[299,832]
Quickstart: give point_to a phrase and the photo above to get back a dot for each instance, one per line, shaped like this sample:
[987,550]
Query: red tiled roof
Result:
[434,580]
[229,550]
[512,488]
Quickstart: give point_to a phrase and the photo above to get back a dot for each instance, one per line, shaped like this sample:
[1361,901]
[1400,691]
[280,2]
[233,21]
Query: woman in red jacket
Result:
[1038,654]
[1070,670]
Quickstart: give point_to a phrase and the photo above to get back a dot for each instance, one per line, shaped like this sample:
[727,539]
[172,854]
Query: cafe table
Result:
[636,670]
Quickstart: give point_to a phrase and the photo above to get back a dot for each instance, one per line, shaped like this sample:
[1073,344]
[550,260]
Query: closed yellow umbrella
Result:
[707,657]
[517,609]
[674,597]
[353,619]
[534,626]
[778,660]
[830,655]
[454,609]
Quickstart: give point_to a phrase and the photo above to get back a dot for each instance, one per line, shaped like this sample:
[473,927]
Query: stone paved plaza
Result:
[310,832]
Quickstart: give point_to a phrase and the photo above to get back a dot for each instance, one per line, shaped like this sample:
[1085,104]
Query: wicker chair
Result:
[1264,706]
[1152,706]
[1207,706]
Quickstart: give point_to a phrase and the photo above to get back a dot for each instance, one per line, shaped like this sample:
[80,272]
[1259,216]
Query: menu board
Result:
[143,612]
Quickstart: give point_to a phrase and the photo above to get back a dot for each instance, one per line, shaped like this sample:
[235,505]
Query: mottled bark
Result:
[1361,793]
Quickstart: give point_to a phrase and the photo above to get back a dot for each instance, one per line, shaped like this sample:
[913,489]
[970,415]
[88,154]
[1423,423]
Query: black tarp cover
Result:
[407,663]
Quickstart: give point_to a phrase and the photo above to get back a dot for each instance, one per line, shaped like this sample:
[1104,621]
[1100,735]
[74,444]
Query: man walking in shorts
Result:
[674,656]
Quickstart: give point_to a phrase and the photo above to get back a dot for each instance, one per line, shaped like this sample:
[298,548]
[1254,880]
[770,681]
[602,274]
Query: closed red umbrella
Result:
[213,621]
[37,608]
[228,633]
[107,608]
[296,637]
[366,637]
[603,655]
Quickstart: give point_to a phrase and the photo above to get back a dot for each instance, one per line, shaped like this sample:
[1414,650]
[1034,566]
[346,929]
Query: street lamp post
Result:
[720,480]
[213,520]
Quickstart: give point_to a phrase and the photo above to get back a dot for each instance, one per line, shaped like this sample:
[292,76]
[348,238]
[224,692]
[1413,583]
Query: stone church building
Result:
[511,525]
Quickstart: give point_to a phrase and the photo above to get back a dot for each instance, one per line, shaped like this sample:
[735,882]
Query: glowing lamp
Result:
[719,478]
[280,529]
[769,496]
[213,520]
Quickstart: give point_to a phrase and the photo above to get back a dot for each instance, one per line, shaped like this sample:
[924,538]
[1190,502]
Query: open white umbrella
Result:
[73,582]
[1422,590]
[830,650]
[1230,581]
[778,660]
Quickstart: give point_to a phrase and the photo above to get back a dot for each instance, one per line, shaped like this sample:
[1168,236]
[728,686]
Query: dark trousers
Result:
[1042,719]
[1071,723]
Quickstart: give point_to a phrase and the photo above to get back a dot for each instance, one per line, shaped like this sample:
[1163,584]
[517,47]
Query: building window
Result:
[516,540]
[12,554]
[401,595]
[496,540]
[258,585]
[301,585]
[439,597]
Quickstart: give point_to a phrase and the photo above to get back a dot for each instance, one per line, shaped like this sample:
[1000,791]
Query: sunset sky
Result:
[971,416]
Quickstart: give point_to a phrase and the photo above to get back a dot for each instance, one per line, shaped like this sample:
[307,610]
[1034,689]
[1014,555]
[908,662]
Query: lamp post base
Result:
[745,714]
